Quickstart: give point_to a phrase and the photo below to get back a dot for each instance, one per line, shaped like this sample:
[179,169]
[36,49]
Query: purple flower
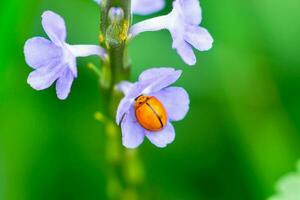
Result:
[154,83]
[55,60]
[144,7]
[183,24]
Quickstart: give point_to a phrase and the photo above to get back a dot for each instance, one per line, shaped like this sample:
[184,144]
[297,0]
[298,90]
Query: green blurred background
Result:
[242,132]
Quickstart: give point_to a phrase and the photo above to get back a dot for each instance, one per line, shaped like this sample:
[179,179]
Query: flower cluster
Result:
[149,105]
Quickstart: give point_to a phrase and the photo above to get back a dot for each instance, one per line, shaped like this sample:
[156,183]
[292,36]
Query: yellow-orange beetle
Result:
[150,113]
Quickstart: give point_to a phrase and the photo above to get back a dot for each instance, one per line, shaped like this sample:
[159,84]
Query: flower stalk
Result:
[114,25]
[125,171]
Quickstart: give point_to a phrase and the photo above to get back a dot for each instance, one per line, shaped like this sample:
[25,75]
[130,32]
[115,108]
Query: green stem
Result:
[118,67]
[125,172]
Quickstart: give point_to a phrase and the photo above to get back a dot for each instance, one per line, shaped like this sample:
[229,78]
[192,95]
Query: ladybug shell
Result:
[150,113]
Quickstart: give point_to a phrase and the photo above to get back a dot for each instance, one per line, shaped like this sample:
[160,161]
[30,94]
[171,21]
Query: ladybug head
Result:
[140,100]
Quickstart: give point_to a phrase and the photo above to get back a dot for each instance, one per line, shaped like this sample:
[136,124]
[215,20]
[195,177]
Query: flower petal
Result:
[138,88]
[123,108]
[64,83]
[40,52]
[87,50]
[185,51]
[162,138]
[54,26]
[191,10]
[70,59]
[124,86]
[153,24]
[176,102]
[156,73]
[158,78]
[132,133]
[199,37]
[43,77]
[145,7]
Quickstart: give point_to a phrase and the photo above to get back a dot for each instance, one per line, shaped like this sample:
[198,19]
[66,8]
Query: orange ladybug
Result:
[150,113]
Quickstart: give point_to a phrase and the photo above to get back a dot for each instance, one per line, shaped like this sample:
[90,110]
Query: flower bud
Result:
[116,32]
[115,15]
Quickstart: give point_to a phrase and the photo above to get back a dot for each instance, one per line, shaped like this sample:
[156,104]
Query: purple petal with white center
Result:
[64,83]
[54,26]
[199,37]
[176,102]
[44,77]
[162,138]
[191,10]
[40,52]
[132,133]
[124,86]
[145,7]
